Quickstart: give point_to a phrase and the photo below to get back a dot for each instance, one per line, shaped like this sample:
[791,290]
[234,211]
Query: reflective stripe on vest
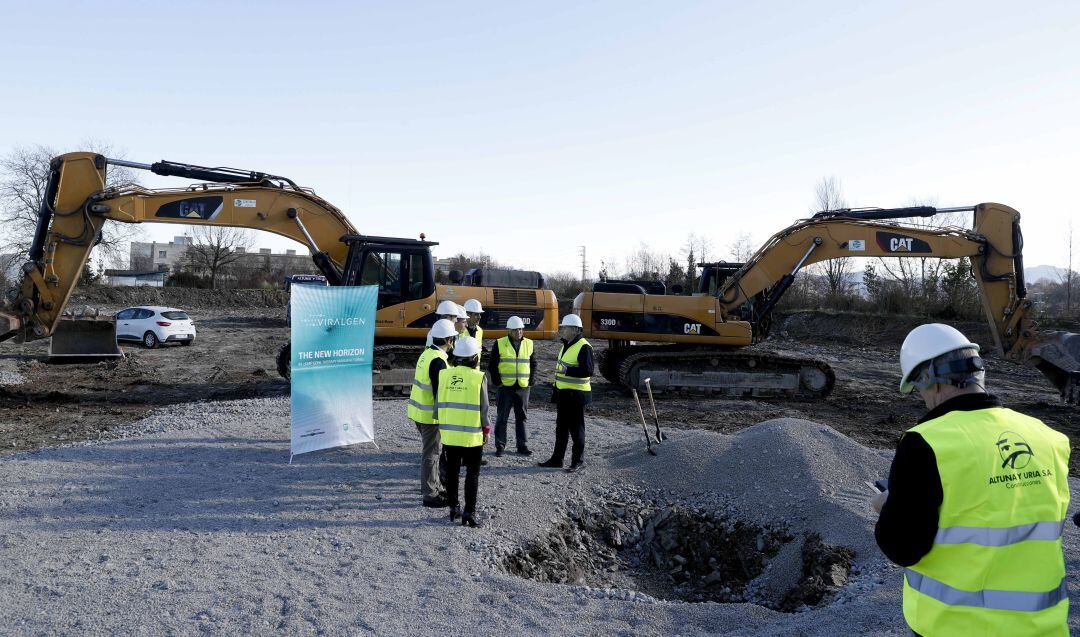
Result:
[459,407]
[996,565]
[421,405]
[567,358]
[997,600]
[514,366]
[984,536]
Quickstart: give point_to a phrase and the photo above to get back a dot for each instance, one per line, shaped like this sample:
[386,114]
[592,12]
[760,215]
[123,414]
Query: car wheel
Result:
[150,340]
[284,361]
[187,342]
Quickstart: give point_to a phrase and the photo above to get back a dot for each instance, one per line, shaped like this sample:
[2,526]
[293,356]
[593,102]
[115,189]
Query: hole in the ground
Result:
[674,551]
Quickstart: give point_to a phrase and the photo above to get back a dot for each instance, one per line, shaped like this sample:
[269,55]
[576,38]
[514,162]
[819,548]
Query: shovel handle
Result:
[641,414]
[652,403]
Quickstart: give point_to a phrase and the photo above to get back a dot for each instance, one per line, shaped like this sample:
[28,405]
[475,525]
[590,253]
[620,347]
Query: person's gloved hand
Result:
[879,501]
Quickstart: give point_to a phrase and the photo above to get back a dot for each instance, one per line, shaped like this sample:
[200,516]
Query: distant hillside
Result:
[1043,272]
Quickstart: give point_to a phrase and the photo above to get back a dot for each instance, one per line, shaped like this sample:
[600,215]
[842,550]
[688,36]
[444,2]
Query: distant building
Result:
[154,279]
[443,265]
[170,257]
[159,256]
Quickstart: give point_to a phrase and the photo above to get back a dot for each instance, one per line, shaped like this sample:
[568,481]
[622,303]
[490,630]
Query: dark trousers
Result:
[569,422]
[455,458]
[516,398]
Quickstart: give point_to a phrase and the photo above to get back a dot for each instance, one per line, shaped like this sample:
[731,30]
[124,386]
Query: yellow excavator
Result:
[77,203]
[699,343]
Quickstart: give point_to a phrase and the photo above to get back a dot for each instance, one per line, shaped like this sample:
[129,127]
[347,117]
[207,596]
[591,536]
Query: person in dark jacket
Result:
[573,392]
[421,409]
[512,365]
[977,494]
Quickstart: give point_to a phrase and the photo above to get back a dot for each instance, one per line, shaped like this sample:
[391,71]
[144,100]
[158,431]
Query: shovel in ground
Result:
[644,427]
[656,419]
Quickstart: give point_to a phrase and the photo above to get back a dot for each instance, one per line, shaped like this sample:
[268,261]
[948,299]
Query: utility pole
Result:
[584,267]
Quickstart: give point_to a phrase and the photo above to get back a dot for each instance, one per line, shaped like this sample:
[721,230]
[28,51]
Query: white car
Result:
[153,325]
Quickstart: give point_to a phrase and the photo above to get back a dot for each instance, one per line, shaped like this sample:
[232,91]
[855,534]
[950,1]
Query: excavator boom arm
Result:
[994,245]
[77,204]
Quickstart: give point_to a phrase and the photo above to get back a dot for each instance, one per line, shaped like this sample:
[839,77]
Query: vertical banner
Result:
[333,333]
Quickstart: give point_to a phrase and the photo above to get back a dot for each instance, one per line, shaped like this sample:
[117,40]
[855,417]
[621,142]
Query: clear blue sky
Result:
[528,129]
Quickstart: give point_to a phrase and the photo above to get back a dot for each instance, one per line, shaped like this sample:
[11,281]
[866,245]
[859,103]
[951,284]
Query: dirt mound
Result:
[184,298]
[799,472]
[854,328]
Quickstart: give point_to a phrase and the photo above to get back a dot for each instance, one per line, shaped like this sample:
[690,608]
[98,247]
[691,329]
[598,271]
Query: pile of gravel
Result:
[196,523]
[8,377]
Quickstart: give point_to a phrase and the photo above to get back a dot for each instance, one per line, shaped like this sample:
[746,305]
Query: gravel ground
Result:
[195,523]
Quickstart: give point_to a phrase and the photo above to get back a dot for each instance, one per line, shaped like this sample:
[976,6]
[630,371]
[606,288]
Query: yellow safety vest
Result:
[514,366]
[996,566]
[479,335]
[459,407]
[568,357]
[421,398]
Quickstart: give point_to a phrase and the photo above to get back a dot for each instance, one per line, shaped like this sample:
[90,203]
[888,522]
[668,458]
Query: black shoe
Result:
[468,520]
[483,463]
[498,452]
[550,464]
[455,513]
[435,503]
[524,451]
[575,466]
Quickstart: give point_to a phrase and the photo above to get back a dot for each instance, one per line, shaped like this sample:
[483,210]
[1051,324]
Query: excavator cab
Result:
[714,274]
[402,269]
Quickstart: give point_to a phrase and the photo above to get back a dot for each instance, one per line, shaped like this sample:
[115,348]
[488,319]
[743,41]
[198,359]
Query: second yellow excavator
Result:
[77,203]
[699,343]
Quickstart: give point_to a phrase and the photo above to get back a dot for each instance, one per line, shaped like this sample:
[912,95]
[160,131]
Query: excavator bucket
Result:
[1057,356]
[85,338]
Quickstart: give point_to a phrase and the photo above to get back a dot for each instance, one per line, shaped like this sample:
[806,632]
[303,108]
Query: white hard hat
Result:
[925,343]
[461,313]
[515,323]
[466,346]
[472,305]
[443,329]
[572,320]
[447,308]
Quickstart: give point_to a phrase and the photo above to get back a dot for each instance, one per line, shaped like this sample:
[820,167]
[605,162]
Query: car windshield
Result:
[175,315]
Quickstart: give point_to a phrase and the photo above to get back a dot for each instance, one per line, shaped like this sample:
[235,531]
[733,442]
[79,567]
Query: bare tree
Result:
[214,247]
[742,248]
[829,195]
[643,263]
[24,174]
[1068,276]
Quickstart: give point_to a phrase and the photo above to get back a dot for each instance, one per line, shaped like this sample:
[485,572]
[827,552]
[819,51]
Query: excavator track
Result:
[715,372]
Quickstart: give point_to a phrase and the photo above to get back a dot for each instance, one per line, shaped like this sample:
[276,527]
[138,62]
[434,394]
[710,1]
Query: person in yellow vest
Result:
[473,312]
[976,502]
[421,408]
[462,323]
[446,310]
[461,408]
[573,391]
[511,366]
